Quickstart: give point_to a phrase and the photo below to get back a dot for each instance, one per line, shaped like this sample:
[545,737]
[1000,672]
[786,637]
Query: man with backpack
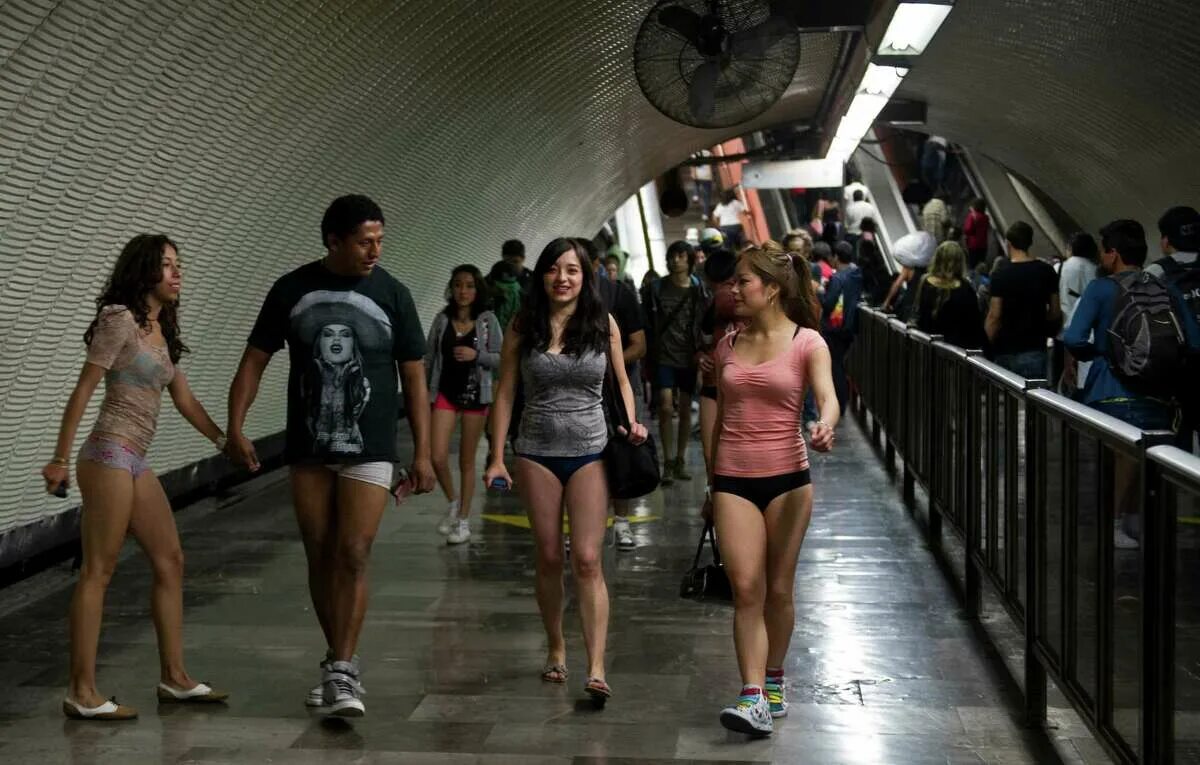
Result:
[1128,325]
[839,316]
[1179,267]
[673,312]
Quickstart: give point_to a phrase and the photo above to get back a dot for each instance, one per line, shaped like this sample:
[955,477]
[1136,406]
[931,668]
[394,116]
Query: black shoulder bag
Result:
[632,469]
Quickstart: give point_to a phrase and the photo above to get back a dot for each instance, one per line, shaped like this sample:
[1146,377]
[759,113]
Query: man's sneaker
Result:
[316,694]
[668,473]
[447,524]
[1121,540]
[342,690]
[776,694]
[750,714]
[623,534]
[681,472]
[459,534]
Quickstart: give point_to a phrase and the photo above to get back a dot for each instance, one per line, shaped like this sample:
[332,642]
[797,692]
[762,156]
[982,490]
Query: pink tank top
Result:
[763,408]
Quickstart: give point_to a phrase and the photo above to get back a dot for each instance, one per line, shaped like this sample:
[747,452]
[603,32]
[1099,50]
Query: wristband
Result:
[220,442]
[61,461]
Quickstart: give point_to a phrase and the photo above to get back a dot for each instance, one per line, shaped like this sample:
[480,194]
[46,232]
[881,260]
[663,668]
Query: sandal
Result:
[201,693]
[598,690]
[554,673]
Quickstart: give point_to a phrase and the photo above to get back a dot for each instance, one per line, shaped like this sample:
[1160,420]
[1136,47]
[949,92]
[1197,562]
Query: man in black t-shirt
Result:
[1023,312]
[622,304]
[348,326]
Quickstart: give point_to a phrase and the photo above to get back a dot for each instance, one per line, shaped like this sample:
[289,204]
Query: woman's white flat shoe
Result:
[200,694]
[109,710]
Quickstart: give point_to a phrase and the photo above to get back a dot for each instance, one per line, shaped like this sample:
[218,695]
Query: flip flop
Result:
[200,694]
[554,673]
[598,690]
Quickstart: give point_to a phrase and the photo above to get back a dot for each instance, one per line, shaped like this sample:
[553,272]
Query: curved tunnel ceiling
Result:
[231,125]
[1097,102]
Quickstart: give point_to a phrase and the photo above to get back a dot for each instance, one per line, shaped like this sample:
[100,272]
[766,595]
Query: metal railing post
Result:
[1035,539]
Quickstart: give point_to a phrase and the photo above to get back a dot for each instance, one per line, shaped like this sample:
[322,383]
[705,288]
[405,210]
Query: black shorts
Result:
[761,491]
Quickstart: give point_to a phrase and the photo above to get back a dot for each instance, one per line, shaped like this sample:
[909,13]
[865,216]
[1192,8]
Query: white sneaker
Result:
[623,534]
[342,690]
[447,524]
[460,533]
[1121,540]
[750,715]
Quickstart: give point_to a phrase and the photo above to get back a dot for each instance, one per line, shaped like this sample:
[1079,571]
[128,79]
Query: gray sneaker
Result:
[316,694]
[342,691]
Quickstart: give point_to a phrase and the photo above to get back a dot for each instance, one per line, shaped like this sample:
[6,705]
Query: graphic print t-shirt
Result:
[345,335]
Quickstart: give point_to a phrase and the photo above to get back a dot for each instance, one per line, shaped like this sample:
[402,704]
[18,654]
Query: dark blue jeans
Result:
[1143,414]
[1032,365]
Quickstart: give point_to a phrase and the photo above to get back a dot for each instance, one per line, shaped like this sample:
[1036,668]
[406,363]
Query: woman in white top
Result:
[728,217]
[1078,270]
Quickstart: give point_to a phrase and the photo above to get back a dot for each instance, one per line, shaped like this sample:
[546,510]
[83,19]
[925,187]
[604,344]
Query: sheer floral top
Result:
[137,372]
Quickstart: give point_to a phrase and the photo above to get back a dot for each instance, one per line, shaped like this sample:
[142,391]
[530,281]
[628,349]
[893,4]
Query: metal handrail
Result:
[972,422]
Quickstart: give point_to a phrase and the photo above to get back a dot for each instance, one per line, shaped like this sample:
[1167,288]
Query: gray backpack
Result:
[1146,343]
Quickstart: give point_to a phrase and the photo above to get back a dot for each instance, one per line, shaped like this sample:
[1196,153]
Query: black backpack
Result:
[1185,279]
[1147,347]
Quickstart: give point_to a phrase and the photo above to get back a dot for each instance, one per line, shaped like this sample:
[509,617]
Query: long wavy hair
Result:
[945,274]
[791,273]
[483,301]
[587,329]
[138,270]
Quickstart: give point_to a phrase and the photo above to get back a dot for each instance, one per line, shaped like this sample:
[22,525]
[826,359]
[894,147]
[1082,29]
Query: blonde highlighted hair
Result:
[790,272]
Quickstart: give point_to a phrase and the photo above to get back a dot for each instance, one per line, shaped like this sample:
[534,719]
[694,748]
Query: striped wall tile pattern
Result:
[231,124]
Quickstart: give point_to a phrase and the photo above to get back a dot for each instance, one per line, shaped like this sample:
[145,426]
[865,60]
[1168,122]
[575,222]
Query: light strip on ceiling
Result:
[912,27]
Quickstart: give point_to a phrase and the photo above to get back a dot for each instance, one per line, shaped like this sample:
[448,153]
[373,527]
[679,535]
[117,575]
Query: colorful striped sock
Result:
[775,675]
[751,692]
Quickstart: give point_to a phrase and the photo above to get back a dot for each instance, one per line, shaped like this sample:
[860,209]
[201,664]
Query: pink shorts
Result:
[112,454]
[444,404]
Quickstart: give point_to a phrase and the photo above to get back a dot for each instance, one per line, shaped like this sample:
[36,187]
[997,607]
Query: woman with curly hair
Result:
[946,304]
[134,345]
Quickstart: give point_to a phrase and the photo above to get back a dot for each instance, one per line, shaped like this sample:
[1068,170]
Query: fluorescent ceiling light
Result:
[882,80]
[912,27]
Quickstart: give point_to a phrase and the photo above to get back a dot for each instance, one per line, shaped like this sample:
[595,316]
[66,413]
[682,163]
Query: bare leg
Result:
[313,498]
[360,507]
[587,502]
[107,506]
[666,401]
[441,429]
[787,519]
[472,430]
[743,538]
[685,427]
[543,495]
[153,526]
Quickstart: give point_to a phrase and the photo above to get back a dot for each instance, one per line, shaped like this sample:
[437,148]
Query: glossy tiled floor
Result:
[883,669]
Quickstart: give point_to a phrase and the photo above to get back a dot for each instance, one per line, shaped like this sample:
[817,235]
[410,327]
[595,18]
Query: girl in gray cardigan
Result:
[461,353]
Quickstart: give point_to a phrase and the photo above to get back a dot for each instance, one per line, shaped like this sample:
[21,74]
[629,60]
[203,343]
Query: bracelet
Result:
[821,423]
[63,461]
[220,442]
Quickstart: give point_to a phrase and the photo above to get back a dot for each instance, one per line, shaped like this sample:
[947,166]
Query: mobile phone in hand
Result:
[403,487]
[60,491]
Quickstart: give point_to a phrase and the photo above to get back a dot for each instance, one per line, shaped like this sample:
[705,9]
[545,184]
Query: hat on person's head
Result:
[321,308]
[712,236]
[1181,227]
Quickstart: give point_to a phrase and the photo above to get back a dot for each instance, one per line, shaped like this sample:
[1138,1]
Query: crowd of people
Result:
[521,356]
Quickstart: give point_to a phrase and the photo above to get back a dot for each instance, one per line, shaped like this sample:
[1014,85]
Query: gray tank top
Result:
[564,415]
